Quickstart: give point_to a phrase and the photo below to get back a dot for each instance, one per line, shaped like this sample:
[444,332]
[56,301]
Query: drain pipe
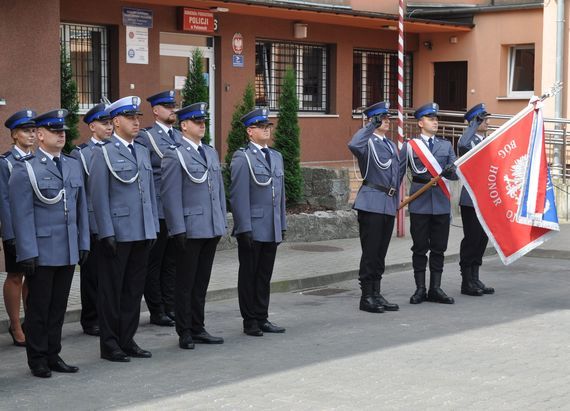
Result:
[556,164]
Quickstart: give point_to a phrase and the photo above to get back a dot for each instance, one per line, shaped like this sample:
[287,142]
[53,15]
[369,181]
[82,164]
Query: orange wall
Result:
[485,50]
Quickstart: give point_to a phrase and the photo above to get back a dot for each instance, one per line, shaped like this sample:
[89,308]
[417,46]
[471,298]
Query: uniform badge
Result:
[29,113]
[255,151]
[44,160]
[117,144]
[171,93]
[60,113]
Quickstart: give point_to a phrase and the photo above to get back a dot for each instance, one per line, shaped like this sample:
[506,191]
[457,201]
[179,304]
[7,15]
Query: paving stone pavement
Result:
[508,351]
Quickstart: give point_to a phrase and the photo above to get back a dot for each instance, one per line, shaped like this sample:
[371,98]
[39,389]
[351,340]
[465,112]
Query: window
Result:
[521,71]
[87,49]
[310,63]
[375,78]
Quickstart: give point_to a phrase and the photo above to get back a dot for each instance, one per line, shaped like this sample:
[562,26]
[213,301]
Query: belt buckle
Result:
[391,191]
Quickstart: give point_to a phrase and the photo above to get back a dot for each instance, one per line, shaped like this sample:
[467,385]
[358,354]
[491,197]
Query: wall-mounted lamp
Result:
[453,40]
[300,30]
[427,44]
[389,27]
[219,9]
[2,101]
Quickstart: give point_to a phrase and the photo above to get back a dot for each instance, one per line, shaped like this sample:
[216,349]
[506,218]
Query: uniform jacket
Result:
[163,141]
[197,209]
[368,198]
[126,211]
[468,140]
[255,208]
[44,230]
[433,201]
[86,150]
[7,161]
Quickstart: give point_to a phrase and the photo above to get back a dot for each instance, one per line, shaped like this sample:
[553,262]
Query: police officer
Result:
[159,288]
[48,202]
[101,128]
[23,132]
[124,203]
[376,202]
[195,212]
[430,213]
[257,199]
[475,239]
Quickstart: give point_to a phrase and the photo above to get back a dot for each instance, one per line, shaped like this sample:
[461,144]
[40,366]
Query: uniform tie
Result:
[430,143]
[133,152]
[171,135]
[388,145]
[58,164]
[202,153]
[267,156]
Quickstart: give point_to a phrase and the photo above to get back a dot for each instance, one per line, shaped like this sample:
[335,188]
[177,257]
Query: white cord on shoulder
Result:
[192,178]
[83,161]
[253,174]
[41,197]
[154,145]
[10,166]
[410,153]
[108,162]
[379,164]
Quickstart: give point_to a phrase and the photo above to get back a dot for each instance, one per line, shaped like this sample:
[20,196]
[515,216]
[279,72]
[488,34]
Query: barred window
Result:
[375,78]
[310,63]
[88,52]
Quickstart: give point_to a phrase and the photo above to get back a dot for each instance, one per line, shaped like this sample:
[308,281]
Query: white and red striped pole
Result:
[400,227]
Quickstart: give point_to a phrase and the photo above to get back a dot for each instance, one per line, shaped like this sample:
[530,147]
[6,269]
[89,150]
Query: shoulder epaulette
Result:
[138,142]
[7,154]
[82,146]
[24,158]
[68,156]
[102,143]
[174,146]
[147,128]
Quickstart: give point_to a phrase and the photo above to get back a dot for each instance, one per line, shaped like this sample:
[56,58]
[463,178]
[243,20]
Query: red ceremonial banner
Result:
[493,173]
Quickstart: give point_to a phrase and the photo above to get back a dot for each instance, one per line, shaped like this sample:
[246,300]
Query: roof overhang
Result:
[319,14]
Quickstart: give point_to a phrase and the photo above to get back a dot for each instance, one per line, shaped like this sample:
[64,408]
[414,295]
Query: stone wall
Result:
[326,187]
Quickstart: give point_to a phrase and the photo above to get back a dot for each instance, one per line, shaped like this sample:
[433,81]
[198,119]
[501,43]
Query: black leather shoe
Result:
[185,342]
[470,289]
[253,331]
[136,351]
[116,356]
[61,366]
[161,319]
[437,295]
[41,371]
[171,315]
[268,327]
[205,338]
[92,330]
[385,304]
[419,296]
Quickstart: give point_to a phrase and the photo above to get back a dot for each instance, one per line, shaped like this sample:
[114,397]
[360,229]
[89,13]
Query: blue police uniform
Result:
[21,119]
[429,213]
[160,280]
[257,199]
[48,202]
[89,269]
[124,203]
[475,239]
[376,203]
[195,212]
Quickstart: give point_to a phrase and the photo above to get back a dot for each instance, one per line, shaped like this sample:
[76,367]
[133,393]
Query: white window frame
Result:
[511,67]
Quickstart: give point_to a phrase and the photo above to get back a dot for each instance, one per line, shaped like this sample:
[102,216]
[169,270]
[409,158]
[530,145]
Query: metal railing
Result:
[556,135]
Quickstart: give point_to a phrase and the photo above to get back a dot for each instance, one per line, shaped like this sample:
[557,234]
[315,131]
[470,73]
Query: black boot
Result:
[367,301]
[467,285]
[479,283]
[435,293]
[420,294]
[380,300]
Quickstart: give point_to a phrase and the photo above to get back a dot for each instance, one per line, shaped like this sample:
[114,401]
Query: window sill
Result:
[310,115]
[508,98]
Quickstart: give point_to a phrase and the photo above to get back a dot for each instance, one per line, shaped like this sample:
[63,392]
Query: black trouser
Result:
[121,286]
[46,304]
[429,233]
[193,270]
[254,278]
[474,240]
[88,286]
[375,234]
[161,275]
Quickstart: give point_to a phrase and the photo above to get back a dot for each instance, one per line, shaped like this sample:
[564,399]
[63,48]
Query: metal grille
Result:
[87,49]
[310,63]
[375,78]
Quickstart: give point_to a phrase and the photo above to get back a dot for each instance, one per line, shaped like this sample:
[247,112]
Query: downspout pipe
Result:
[557,167]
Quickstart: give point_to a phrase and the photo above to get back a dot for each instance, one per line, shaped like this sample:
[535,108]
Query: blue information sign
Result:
[237,60]
[137,17]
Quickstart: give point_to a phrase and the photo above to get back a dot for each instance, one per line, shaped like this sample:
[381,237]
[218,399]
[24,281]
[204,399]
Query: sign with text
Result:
[196,20]
[137,45]
[137,17]
[237,60]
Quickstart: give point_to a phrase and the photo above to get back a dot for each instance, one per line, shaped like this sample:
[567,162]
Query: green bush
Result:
[69,101]
[196,88]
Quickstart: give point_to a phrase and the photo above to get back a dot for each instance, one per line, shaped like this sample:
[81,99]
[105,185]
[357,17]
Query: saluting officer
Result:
[475,239]
[160,279]
[101,128]
[124,203]
[257,198]
[195,211]
[49,208]
[376,202]
[430,214]
[23,131]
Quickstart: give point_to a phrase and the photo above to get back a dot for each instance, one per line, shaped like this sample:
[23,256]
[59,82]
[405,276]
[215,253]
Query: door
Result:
[450,86]
[175,60]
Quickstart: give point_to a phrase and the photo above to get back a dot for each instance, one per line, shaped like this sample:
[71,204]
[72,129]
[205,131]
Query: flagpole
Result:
[400,226]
